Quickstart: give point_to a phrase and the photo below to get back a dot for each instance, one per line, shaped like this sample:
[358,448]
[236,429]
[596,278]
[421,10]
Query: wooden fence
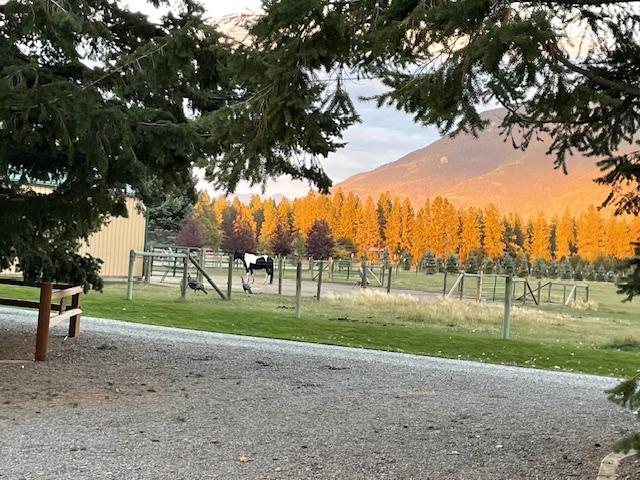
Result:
[49,292]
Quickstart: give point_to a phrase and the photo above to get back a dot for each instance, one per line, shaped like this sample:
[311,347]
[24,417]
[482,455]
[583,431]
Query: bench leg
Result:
[74,322]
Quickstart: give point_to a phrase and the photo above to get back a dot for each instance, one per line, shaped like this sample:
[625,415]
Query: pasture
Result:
[600,337]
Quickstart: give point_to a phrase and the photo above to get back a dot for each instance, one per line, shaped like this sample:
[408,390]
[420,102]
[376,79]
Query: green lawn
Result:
[603,340]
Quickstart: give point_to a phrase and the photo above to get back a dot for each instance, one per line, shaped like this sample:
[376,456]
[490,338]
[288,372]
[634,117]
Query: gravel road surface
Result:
[131,401]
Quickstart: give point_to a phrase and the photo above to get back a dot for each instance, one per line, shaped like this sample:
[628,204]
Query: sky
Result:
[384,134]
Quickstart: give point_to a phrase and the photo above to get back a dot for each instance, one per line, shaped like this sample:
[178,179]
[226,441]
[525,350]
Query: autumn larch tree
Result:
[493,230]
[540,234]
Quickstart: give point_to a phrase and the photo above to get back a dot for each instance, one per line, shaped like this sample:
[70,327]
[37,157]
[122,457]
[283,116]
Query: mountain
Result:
[472,171]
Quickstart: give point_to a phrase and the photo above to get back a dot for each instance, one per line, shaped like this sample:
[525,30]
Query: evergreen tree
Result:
[488,266]
[553,269]
[101,102]
[588,272]
[601,273]
[507,264]
[538,268]
[165,219]
[578,276]
[565,270]
[471,265]
[453,263]
[522,266]
[429,263]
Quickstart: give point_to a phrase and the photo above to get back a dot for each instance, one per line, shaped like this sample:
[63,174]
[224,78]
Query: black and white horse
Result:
[253,262]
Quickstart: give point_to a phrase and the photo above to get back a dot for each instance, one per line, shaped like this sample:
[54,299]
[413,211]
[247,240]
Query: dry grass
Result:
[568,325]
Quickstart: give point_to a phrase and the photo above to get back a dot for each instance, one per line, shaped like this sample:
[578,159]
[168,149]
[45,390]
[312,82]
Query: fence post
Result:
[462,286]
[311,265]
[330,269]
[575,293]
[132,259]
[147,268]
[564,294]
[549,292]
[44,312]
[587,293]
[298,286]
[495,282]
[388,277]
[201,261]
[230,277]
[183,284]
[321,265]
[363,265]
[280,262]
[479,287]
[539,288]
[507,308]
[444,288]
[348,270]
[525,282]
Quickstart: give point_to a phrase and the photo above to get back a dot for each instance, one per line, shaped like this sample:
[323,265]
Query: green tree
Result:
[488,266]
[165,218]
[453,263]
[565,270]
[538,268]
[507,264]
[101,102]
[429,263]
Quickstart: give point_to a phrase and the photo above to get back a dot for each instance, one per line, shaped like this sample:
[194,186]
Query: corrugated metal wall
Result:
[113,242]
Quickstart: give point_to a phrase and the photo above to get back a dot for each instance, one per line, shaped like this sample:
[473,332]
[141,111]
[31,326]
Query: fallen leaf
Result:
[244,459]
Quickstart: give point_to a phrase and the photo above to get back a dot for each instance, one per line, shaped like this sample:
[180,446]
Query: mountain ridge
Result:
[475,171]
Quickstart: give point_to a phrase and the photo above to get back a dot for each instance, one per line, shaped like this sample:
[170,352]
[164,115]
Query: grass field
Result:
[602,337]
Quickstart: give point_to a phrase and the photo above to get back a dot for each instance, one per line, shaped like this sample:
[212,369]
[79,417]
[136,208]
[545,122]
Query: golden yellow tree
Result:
[469,233]
[304,212]
[220,205]
[539,240]
[419,233]
[368,233]
[565,235]
[590,234]
[270,221]
[393,229]
[407,222]
[451,225]
[348,218]
[493,239]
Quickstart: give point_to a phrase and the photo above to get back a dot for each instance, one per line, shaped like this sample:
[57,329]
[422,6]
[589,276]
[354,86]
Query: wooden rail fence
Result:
[49,292]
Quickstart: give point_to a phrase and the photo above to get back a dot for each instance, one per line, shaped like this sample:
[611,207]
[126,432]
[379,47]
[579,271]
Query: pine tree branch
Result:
[557,55]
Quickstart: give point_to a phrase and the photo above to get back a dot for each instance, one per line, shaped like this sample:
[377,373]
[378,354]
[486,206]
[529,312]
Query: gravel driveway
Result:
[129,401]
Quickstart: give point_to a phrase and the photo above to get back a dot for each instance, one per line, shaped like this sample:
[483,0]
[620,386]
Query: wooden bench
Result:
[49,292]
